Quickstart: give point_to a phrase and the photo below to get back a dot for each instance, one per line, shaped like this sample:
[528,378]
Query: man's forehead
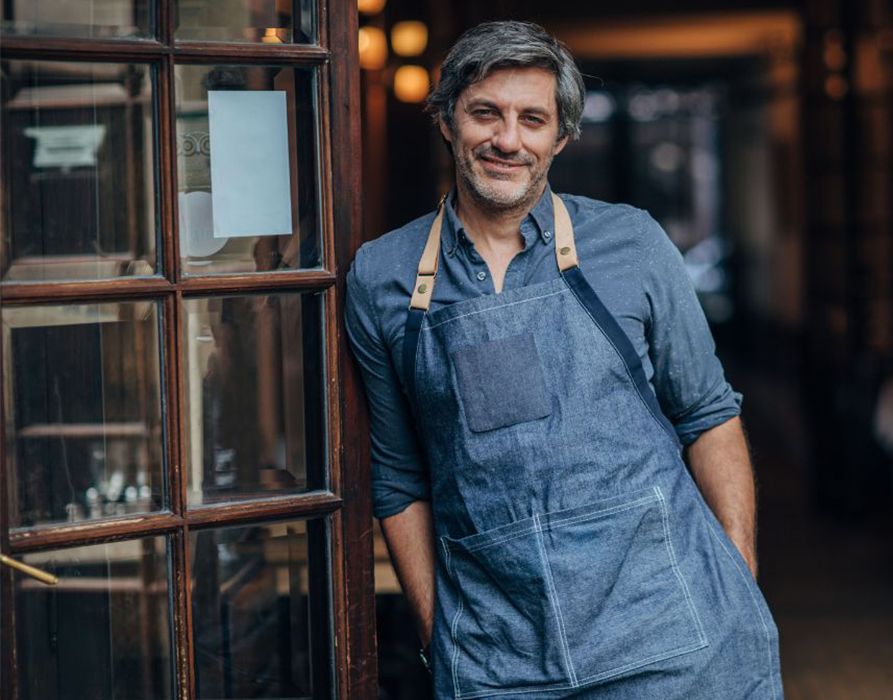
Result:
[529,85]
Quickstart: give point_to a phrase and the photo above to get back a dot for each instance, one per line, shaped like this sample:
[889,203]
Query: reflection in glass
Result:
[83,430]
[78,171]
[266,21]
[207,245]
[254,395]
[103,632]
[260,595]
[79,18]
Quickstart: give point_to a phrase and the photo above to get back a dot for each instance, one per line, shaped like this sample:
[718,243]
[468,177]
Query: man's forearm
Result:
[410,538]
[720,463]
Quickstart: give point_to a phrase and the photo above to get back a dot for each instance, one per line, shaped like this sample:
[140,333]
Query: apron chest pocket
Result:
[569,598]
[501,383]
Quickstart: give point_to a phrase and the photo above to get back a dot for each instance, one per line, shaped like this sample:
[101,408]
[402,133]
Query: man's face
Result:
[504,136]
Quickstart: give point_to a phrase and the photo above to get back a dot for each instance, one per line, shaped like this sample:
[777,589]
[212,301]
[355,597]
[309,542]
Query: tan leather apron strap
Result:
[424,281]
[565,252]
[565,248]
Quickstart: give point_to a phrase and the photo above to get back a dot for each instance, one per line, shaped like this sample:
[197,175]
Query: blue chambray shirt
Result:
[627,258]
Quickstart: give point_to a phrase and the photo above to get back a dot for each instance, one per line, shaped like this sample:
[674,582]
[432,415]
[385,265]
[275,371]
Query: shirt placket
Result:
[516,273]
[478,271]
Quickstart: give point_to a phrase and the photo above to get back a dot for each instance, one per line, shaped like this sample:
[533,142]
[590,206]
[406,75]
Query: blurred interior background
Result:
[166,432]
[759,133]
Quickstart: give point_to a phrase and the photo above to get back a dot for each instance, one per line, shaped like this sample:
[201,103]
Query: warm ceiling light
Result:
[373,48]
[836,86]
[370,7]
[409,38]
[411,83]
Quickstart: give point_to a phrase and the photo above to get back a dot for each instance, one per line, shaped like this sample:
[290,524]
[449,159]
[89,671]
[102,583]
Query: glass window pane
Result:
[260,611]
[246,168]
[266,21]
[104,631]
[78,18]
[83,426]
[254,395]
[78,171]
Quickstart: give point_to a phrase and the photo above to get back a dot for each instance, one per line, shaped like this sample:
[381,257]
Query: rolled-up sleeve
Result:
[399,471]
[688,377]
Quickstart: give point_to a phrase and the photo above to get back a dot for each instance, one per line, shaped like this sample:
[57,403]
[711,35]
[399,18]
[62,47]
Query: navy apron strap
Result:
[604,319]
[422,291]
[410,347]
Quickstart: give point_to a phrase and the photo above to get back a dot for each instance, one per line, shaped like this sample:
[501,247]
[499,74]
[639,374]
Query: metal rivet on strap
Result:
[423,288]
[565,250]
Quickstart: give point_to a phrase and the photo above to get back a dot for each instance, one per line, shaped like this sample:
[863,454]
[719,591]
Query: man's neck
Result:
[489,227]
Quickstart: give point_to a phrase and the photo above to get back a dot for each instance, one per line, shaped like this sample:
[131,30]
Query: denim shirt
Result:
[627,258]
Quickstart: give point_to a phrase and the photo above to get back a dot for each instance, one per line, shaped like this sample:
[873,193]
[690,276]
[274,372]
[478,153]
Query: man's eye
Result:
[536,121]
[483,112]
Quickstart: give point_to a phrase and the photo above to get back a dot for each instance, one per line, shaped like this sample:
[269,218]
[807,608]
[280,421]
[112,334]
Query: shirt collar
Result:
[537,224]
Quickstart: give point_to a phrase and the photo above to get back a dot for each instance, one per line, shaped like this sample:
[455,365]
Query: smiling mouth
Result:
[500,165]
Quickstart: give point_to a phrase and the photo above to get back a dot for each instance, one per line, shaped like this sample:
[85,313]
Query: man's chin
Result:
[498,195]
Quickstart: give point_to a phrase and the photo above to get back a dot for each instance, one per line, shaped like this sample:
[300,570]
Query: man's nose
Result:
[507,137]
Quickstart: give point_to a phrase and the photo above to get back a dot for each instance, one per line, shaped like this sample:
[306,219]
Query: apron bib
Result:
[576,557]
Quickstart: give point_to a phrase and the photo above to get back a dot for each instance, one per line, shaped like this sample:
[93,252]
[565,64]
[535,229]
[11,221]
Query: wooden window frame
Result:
[347,501]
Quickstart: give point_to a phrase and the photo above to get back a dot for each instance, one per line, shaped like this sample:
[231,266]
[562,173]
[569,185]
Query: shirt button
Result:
[482,275]
[547,235]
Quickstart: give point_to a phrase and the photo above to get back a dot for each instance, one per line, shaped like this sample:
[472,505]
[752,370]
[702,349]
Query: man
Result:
[534,366]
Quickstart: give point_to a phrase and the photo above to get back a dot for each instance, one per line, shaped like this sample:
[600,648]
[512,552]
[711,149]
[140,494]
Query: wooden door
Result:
[182,443]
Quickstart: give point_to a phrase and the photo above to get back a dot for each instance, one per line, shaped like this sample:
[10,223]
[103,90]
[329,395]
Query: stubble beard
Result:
[495,199]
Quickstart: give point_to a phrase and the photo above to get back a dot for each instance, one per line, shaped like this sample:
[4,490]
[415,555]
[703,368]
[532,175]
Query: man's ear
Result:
[445,130]
[559,145]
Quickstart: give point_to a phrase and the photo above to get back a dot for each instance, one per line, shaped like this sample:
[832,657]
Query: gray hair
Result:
[494,45]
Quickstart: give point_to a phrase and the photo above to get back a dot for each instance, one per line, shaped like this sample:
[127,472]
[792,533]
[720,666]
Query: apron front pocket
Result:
[621,599]
[501,383]
[505,635]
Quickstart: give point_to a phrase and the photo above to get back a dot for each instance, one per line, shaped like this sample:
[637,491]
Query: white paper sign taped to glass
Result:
[250,186]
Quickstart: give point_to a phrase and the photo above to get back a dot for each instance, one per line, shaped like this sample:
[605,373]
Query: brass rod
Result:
[32,571]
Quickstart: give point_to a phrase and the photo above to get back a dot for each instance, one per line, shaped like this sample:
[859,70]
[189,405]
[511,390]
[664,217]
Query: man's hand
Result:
[720,463]
[410,538]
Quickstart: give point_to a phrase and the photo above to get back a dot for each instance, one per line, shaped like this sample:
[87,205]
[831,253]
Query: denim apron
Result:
[576,557]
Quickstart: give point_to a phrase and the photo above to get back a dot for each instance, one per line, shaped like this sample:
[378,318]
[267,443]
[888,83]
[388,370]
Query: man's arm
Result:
[720,463]
[410,538]
[692,390]
[400,481]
